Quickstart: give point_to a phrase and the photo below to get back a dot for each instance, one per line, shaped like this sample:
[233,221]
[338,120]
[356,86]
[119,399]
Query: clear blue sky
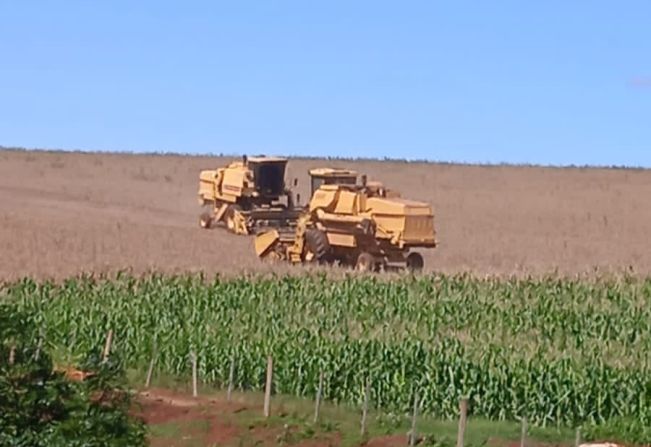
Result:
[550,82]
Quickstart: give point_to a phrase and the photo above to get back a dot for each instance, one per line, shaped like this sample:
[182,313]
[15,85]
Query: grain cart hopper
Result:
[366,226]
[247,195]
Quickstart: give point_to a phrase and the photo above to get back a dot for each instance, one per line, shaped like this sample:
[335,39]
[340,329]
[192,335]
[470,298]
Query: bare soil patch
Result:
[66,213]
[176,419]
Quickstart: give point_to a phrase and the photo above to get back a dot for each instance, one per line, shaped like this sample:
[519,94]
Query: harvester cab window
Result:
[318,180]
[269,178]
[346,181]
[316,183]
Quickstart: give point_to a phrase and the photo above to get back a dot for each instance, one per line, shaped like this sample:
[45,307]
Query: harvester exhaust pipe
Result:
[244,159]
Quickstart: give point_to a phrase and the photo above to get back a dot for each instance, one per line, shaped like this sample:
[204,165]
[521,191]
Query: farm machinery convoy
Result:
[348,220]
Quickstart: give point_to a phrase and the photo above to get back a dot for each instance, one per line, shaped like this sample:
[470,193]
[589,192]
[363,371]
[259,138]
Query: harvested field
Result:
[66,213]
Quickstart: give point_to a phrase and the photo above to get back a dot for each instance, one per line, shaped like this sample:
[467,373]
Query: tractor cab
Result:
[331,176]
[268,175]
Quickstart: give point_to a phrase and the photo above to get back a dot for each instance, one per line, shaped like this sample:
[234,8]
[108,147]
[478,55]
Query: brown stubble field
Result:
[62,214]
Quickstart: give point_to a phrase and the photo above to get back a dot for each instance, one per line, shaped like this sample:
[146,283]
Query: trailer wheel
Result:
[415,262]
[317,243]
[365,262]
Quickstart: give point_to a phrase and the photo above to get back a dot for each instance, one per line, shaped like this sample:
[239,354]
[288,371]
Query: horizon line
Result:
[332,158]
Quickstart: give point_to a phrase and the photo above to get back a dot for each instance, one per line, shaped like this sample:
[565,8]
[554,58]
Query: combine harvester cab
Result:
[365,226]
[247,195]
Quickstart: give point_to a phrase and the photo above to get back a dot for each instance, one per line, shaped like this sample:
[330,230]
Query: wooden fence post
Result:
[267,389]
[193,358]
[577,437]
[463,414]
[12,355]
[319,392]
[412,433]
[107,346]
[231,378]
[39,345]
[367,392]
[523,434]
[150,370]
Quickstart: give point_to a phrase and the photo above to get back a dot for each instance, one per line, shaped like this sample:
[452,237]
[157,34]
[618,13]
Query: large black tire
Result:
[415,262]
[317,243]
[365,262]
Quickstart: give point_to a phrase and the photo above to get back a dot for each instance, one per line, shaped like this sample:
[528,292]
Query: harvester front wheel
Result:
[205,221]
[317,243]
[235,221]
[206,218]
[230,218]
[365,262]
[415,262]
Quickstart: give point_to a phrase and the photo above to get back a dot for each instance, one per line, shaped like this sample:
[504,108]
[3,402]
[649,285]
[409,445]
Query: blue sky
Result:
[553,82]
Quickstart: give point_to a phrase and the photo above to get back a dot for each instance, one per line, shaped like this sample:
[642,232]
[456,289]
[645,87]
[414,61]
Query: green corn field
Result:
[558,351]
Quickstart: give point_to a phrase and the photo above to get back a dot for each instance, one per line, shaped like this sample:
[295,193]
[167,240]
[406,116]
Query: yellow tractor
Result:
[247,195]
[362,225]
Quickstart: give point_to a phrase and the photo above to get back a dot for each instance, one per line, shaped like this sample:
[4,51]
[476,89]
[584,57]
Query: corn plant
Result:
[560,351]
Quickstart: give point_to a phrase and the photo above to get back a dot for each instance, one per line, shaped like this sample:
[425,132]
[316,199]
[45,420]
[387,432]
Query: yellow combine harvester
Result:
[247,195]
[366,226]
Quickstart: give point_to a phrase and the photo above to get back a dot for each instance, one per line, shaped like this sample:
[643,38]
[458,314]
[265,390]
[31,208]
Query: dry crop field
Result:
[66,213]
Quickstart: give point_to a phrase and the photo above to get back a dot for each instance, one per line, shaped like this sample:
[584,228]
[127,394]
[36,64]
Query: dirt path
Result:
[64,213]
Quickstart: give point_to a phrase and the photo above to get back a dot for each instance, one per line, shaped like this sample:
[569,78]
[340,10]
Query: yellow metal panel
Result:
[264,241]
[323,198]
[396,206]
[233,182]
[342,240]
[378,205]
[419,228]
[207,175]
[361,202]
[206,191]
[206,185]
[346,203]
[389,225]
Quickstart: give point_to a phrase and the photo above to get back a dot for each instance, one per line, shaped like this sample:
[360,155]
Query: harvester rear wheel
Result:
[415,262]
[317,243]
[365,262]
